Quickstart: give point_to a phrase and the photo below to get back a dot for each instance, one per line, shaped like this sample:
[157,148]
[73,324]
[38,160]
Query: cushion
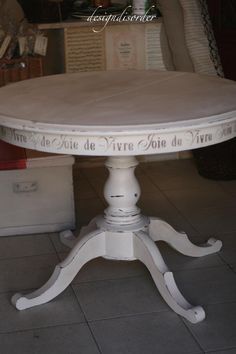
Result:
[196,38]
[174,25]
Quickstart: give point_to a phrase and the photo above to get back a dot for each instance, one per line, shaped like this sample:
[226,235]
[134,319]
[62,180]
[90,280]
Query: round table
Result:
[120,114]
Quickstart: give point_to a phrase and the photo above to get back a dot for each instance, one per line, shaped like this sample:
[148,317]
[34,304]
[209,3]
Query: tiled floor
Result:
[114,307]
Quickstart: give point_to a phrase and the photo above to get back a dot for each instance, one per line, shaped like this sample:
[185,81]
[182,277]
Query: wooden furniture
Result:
[120,115]
[18,69]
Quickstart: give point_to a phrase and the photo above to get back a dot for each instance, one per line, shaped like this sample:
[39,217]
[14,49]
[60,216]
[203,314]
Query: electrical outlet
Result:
[23,187]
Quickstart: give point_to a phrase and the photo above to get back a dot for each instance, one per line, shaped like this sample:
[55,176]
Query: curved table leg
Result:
[160,230]
[123,234]
[148,253]
[91,246]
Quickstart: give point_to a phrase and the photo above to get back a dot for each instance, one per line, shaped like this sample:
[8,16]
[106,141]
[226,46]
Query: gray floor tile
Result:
[161,208]
[58,244]
[155,204]
[228,239]
[215,220]
[177,261]
[77,170]
[113,298]
[229,187]
[217,331]
[71,339]
[213,285]
[228,256]
[201,238]
[98,172]
[84,190]
[229,351]
[162,333]
[180,174]
[87,209]
[98,185]
[139,169]
[22,246]
[228,252]
[171,166]
[64,309]
[146,185]
[191,200]
[234,267]
[102,269]
[25,273]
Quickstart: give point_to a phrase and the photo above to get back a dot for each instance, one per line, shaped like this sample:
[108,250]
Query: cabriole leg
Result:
[148,253]
[91,246]
[160,230]
[123,233]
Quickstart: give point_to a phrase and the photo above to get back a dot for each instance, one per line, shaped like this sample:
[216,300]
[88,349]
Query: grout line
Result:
[112,279]
[28,256]
[190,332]
[97,194]
[94,338]
[56,251]
[219,350]
[217,266]
[86,321]
[117,317]
[207,306]
[230,266]
[193,334]
[42,328]
[54,247]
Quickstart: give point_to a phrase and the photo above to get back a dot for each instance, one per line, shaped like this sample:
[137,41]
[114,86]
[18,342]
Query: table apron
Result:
[128,144]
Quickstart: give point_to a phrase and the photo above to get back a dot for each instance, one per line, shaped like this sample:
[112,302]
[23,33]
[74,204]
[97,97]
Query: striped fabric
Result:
[173,21]
[196,38]
[154,48]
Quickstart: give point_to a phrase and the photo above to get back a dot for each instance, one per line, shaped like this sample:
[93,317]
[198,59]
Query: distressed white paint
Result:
[121,115]
[118,113]
[125,246]
[127,143]
[123,234]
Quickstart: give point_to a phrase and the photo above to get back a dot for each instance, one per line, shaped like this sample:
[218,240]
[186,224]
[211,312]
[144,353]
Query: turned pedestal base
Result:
[123,233]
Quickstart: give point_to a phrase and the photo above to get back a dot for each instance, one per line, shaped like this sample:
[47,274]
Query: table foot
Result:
[160,230]
[68,238]
[148,253]
[88,248]
[113,245]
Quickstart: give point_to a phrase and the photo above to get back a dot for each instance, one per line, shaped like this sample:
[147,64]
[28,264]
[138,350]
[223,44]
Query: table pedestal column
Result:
[123,233]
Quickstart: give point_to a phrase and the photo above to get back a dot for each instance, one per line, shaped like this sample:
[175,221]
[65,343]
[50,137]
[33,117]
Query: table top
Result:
[118,112]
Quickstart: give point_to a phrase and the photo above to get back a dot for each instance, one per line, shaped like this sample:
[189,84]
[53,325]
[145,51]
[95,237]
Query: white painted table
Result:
[120,115]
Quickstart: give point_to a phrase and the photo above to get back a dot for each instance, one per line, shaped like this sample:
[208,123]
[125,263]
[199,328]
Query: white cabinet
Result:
[39,198]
